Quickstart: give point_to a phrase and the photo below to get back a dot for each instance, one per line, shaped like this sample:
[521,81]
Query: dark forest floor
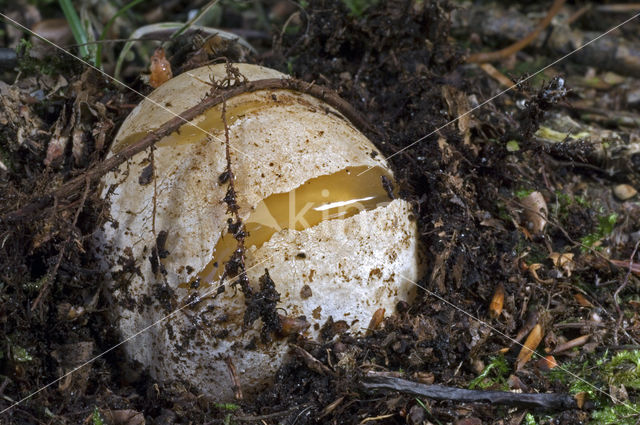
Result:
[565,142]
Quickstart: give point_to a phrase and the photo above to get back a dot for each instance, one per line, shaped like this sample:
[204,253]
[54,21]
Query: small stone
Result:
[624,192]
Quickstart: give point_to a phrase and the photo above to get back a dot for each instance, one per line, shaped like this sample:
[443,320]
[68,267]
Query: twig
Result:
[311,362]
[621,288]
[63,249]
[518,45]
[576,342]
[574,17]
[71,187]
[496,75]
[548,401]
[4,385]
[237,388]
[271,415]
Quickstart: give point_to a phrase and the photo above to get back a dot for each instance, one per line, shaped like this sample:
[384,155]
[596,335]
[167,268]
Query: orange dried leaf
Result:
[426,378]
[292,325]
[582,300]
[580,399]
[530,345]
[533,271]
[547,363]
[497,302]
[563,261]
[160,69]
[376,319]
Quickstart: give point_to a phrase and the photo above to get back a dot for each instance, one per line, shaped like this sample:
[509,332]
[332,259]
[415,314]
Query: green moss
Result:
[595,375]
[55,64]
[20,354]
[622,414]
[529,419]
[494,375]
[523,193]
[605,226]
[227,406]
[96,418]
[624,369]
[358,7]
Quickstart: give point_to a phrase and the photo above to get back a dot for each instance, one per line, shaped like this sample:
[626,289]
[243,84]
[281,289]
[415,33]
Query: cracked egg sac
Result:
[334,241]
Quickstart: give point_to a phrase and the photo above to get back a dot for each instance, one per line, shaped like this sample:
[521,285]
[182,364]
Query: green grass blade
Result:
[106,29]
[77,29]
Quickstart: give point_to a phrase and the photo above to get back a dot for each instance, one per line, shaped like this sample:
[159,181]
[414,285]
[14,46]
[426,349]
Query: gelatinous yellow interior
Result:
[338,195]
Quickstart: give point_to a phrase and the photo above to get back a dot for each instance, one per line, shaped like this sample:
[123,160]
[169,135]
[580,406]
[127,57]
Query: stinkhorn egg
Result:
[310,191]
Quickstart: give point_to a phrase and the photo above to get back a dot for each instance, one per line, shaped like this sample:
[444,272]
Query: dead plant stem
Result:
[520,44]
[52,275]
[70,189]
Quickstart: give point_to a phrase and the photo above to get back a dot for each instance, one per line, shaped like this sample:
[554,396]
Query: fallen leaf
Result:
[582,300]
[497,302]
[59,140]
[530,345]
[580,397]
[123,417]
[547,363]
[376,319]
[533,271]
[564,261]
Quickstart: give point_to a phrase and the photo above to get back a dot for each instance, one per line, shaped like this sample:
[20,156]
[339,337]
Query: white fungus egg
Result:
[333,241]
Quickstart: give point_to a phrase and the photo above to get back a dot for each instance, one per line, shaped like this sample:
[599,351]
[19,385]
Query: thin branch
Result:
[547,401]
[72,187]
[51,276]
[521,44]
[621,288]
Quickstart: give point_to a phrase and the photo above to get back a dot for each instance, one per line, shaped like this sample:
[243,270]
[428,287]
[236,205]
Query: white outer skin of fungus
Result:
[357,262]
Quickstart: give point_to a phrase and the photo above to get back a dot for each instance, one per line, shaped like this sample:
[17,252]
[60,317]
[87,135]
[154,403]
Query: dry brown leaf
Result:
[582,300]
[547,363]
[59,140]
[533,271]
[580,397]
[530,345]
[563,261]
[424,377]
[376,319]
[497,302]
[123,417]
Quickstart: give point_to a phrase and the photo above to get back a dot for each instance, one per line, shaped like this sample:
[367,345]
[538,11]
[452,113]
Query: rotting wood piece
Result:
[547,401]
[216,97]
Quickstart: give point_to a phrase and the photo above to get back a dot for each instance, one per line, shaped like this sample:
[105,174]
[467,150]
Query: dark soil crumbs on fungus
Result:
[400,67]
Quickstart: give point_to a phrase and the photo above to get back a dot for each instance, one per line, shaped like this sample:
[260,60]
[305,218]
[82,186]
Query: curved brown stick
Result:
[73,186]
[518,45]
[546,401]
